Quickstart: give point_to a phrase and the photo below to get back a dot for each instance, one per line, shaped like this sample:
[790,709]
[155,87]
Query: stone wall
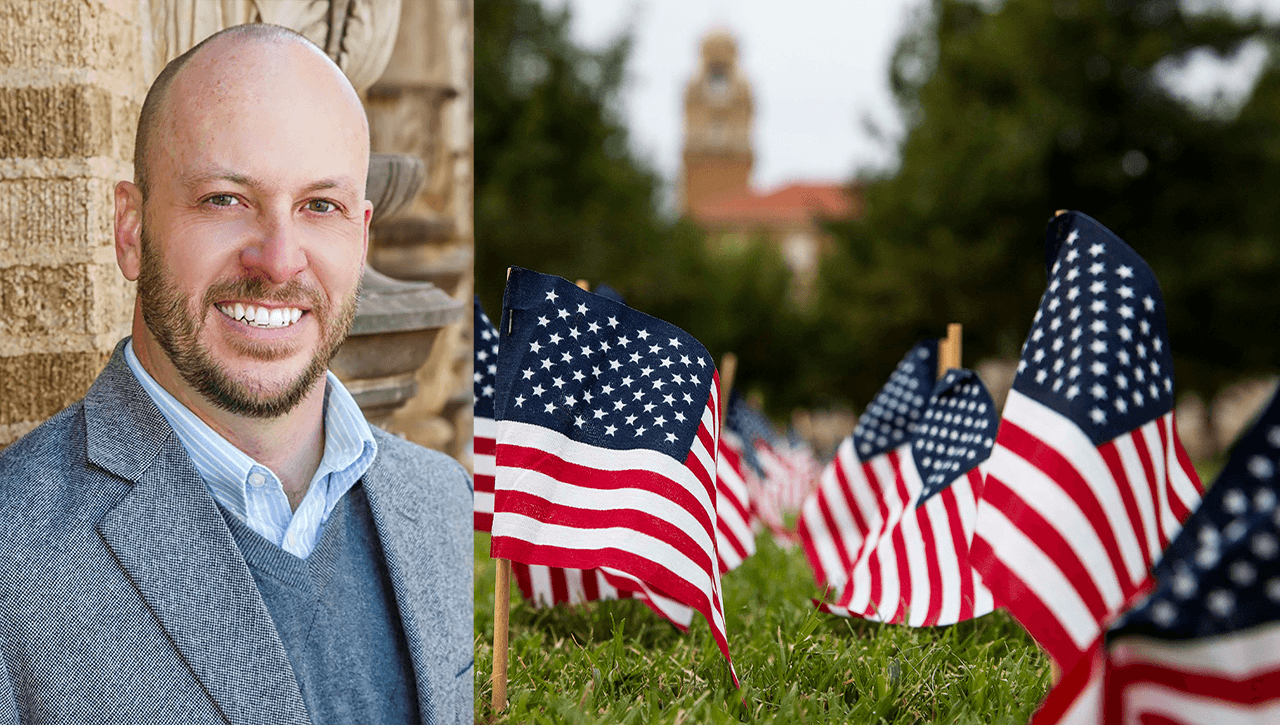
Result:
[71,83]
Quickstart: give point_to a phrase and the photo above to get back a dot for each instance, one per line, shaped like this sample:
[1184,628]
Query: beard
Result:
[176,328]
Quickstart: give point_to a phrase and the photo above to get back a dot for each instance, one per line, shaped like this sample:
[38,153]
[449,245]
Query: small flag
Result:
[847,507]
[484,380]
[1088,481]
[607,432]
[770,489]
[914,566]
[1204,645]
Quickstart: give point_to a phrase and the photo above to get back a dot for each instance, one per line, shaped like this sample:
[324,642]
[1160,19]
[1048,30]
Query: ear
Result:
[368,217]
[128,199]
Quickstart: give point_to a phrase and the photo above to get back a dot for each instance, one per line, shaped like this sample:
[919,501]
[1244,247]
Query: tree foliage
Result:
[1019,108]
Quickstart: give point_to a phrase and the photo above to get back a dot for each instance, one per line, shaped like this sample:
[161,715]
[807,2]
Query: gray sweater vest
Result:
[337,616]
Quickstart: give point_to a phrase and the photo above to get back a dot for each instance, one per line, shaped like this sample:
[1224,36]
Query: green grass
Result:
[617,662]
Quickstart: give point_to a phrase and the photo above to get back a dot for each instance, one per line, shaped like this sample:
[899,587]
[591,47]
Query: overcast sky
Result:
[818,68]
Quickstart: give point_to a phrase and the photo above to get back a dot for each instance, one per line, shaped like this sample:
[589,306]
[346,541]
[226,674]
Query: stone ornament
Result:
[358,34]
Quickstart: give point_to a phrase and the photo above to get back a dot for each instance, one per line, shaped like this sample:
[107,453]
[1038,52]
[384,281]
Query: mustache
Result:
[290,294]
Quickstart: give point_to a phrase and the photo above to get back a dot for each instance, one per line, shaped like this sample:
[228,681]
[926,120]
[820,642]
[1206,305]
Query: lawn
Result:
[617,662]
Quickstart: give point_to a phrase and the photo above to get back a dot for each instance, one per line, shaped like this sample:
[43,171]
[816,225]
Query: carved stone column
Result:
[421,106]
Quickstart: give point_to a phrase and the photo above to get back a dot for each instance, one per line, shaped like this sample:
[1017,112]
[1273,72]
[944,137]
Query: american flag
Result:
[806,470]
[1204,645]
[484,381]
[735,540]
[914,568]
[770,489]
[1088,481]
[838,517]
[606,444]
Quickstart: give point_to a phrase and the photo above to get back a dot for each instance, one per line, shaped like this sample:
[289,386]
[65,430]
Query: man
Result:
[214,534]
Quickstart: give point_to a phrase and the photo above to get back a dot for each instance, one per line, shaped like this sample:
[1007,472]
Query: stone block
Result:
[56,221]
[41,303]
[80,34]
[37,385]
[57,122]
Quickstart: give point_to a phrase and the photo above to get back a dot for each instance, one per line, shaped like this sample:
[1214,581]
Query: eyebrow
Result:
[192,180]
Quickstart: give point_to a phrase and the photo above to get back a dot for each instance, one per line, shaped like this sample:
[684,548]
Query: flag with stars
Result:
[608,421]
[914,567]
[842,512]
[1088,481]
[1204,645]
[484,378]
[735,539]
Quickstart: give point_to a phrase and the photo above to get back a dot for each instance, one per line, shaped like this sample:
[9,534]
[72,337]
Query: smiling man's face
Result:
[254,229]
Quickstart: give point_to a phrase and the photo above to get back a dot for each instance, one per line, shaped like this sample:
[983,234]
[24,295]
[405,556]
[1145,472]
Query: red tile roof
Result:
[790,205]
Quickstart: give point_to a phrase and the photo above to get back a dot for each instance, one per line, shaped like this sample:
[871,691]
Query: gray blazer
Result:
[123,597]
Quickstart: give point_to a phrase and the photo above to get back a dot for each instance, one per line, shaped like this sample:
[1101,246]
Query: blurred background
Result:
[817,187]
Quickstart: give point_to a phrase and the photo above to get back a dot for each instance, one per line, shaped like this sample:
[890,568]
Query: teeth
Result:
[258,316]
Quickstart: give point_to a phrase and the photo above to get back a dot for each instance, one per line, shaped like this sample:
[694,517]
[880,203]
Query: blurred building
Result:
[715,186]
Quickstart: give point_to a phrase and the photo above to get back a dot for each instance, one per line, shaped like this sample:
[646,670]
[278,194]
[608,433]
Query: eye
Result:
[321,206]
[222,200]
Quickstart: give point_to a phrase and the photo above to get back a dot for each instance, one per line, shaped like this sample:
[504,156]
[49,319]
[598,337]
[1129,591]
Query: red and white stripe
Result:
[482,454]
[546,586]
[805,470]
[770,494]
[787,478]
[913,566]
[1076,699]
[832,525]
[1067,531]
[735,540]
[1232,679]
[571,505]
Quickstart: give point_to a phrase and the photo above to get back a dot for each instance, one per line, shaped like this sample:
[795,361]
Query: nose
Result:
[276,254]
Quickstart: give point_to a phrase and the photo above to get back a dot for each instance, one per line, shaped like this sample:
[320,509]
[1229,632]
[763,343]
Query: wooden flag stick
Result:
[728,369]
[501,624]
[582,285]
[501,619]
[949,349]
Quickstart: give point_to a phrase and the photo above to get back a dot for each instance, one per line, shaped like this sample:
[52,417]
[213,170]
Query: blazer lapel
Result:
[173,544]
[406,540]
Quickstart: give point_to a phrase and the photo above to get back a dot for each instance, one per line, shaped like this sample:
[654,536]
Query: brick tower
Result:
[717,126]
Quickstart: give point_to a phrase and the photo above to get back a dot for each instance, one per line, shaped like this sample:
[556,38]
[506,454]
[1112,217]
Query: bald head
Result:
[240,59]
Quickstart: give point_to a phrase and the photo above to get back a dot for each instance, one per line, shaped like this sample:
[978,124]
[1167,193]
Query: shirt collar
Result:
[349,446]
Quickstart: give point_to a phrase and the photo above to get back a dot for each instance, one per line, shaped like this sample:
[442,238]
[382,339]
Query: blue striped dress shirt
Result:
[249,490]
